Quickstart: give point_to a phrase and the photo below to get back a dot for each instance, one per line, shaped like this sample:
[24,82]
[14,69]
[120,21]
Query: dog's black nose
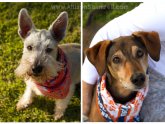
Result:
[37,69]
[138,79]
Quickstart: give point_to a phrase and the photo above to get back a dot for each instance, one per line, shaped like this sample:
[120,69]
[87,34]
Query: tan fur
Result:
[94,115]
[126,70]
[87,94]
[121,84]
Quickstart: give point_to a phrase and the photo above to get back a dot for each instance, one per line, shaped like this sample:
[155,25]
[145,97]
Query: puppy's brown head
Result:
[126,58]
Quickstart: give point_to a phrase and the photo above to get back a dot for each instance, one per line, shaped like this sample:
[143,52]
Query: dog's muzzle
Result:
[37,69]
[138,79]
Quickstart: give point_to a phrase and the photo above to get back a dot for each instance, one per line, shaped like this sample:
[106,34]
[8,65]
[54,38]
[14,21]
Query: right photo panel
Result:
[123,70]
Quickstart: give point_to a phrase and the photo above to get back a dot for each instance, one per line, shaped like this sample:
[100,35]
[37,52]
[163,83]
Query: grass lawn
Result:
[11,88]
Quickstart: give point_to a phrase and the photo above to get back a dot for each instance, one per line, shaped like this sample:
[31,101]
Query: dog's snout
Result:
[37,69]
[138,79]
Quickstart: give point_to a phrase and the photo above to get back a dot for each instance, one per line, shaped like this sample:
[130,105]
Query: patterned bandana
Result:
[57,87]
[116,112]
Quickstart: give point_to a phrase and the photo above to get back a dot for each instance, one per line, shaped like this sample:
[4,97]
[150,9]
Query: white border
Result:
[81,36]
[81,60]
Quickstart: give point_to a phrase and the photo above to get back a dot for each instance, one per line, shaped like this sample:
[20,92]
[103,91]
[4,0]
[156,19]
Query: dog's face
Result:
[39,59]
[126,58]
[128,61]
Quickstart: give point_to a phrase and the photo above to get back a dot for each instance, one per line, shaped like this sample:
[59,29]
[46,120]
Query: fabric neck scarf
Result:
[116,112]
[57,87]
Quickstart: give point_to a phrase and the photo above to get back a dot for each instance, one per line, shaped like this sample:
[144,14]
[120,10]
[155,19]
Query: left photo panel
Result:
[40,58]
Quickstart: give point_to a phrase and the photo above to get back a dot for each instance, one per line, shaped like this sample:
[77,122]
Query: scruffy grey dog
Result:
[39,61]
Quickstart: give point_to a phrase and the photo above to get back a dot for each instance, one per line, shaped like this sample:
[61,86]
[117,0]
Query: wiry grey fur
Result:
[36,42]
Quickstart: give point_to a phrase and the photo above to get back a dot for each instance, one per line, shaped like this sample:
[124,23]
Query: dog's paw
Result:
[23,104]
[58,115]
[85,118]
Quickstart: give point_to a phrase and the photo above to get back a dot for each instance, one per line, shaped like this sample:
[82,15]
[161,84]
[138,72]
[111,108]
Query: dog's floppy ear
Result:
[58,27]
[97,55]
[151,41]
[25,23]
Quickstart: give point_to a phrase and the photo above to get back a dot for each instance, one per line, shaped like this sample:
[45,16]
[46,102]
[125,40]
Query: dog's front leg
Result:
[87,99]
[62,104]
[26,99]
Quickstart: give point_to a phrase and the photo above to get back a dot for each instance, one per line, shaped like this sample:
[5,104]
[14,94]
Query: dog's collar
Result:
[57,87]
[113,112]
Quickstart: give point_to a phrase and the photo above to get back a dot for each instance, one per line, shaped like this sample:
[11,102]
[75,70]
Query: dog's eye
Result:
[116,60]
[29,48]
[49,50]
[139,53]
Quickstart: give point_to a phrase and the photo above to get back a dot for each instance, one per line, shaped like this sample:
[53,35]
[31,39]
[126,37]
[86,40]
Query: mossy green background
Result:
[117,9]
[11,88]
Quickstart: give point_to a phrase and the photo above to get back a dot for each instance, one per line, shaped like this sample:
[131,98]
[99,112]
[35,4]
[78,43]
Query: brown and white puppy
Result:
[125,60]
